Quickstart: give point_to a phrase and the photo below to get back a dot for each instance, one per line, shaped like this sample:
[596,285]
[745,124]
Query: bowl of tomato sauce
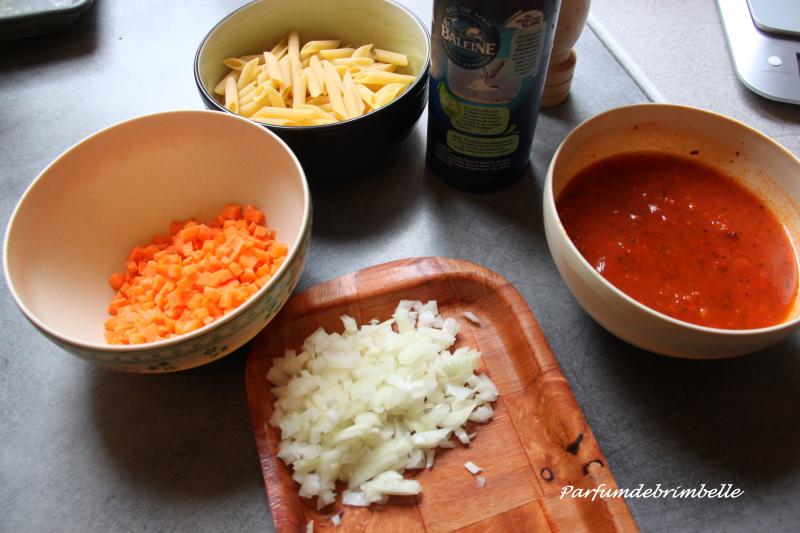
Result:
[678,229]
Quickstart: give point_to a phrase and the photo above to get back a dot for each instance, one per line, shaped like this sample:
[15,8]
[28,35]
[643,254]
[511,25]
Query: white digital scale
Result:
[764,40]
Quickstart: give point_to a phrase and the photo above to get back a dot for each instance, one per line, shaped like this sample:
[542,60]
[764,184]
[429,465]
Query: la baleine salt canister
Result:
[488,66]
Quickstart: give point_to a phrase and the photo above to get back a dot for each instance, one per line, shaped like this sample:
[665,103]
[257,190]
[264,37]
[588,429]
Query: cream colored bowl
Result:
[757,162]
[79,219]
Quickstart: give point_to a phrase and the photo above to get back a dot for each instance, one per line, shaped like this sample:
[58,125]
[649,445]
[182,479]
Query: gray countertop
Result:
[83,449]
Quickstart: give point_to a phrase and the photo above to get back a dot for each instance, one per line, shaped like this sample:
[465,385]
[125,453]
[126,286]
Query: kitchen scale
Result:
[764,40]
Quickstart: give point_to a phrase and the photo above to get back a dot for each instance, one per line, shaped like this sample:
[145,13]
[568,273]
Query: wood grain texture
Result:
[537,442]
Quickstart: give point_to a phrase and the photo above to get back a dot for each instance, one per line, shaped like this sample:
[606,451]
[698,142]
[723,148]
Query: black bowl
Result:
[344,147]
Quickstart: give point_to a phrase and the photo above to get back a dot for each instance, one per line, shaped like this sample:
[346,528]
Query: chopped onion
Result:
[310,527]
[472,467]
[469,315]
[337,519]
[364,405]
[480,480]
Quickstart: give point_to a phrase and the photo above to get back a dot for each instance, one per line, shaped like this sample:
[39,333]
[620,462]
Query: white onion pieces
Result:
[364,405]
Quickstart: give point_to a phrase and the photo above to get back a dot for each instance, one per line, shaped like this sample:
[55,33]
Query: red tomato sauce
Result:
[682,238]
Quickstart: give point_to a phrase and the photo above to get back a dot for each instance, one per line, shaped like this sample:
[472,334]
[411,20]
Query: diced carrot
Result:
[116,280]
[232,212]
[189,234]
[252,215]
[278,250]
[194,275]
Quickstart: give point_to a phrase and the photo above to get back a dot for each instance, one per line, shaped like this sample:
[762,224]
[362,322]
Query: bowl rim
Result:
[177,339]
[420,79]
[550,205]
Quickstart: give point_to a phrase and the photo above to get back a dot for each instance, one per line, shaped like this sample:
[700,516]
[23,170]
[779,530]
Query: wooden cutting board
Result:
[537,442]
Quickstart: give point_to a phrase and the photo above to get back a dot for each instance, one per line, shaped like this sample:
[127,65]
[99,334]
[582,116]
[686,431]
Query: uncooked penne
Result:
[387,93]
[377,77]
[299,89]
[319,72]
[284,112]
[367,96]
[234,63]
[313,47]
[363,51]
[335,86]
[231,96]
[312,84]
[318,111]
[280,49]
[286,72]
[352,100]
[275,98]
[350,61]
[259,99]
[249,72]
[220,88]
[273,121]
[393,58]
[273,68]
[294,44]
[336,53]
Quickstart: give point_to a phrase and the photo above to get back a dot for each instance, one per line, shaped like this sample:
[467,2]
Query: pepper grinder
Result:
[571,21]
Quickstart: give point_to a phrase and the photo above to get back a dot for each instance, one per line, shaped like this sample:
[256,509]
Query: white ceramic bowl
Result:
[760,164]
[79,219]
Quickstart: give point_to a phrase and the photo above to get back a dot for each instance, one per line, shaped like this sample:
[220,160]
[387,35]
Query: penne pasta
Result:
[393,58]
[313,47]
[275,98]
[259,99]
[249,72]
[318,111]
[336,53]
[333,76]
[284,112]
[273,121]
[377,77]
[313,84]
[231,96]
[252,56]
[280,49]
[386,67]
[318,121]
[387,93]
[350,61]
[367,96]
[220,88]
[319,100]
[286,72]
[363,51]
[299,89]
[273,68]
[319,72]
[352,101]
[294,45]
[234,63]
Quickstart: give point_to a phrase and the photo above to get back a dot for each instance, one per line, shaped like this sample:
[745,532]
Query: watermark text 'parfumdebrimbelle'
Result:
[723,491]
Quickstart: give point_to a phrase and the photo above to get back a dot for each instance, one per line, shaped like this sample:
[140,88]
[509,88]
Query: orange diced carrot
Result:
[248,260]
[260,232]
[278,249]
[189,234]
[116,280]
[232,212]
[197,273]
[253,215]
